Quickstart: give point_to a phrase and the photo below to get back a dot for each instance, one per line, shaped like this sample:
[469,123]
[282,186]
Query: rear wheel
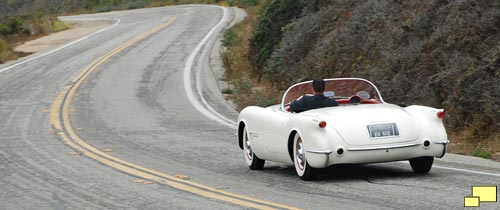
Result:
[254,162]
[421,165]
[303,169]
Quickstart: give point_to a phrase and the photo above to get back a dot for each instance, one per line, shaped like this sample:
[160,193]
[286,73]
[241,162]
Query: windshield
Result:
[340,88]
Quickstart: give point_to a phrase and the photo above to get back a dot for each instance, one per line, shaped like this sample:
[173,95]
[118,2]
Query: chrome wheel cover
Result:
[247,147]
[299,151]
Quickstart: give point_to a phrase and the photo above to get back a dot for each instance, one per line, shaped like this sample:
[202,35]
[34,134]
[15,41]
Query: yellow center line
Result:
[61,109]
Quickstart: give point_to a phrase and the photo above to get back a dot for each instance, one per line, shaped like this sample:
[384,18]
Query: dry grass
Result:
[246,88]
[6,47]
[467,143]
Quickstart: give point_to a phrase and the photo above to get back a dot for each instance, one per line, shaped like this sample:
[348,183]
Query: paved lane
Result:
[135,105]
[39,171]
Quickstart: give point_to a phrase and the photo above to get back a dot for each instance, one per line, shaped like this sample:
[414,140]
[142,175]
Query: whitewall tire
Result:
[254,162]
[303,169]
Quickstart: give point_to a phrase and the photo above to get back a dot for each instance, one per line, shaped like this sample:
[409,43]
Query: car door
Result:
[276,136]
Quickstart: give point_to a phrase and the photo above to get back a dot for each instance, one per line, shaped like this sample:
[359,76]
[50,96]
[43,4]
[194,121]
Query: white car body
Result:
[369,131]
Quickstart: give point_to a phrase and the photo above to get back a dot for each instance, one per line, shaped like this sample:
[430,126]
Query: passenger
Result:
[318,100]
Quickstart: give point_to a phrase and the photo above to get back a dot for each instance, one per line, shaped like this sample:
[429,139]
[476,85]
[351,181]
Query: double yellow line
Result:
[60,120]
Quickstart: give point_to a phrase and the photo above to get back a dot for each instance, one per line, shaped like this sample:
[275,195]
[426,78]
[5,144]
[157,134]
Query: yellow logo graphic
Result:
[481,194]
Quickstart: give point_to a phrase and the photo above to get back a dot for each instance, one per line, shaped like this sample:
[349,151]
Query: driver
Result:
[318,100]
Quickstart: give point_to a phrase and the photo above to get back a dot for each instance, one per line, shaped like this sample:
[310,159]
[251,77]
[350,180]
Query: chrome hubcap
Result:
[300,154]
[248,148]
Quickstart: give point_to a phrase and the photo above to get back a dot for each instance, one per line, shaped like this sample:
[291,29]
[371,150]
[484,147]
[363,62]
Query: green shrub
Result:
[89,4]
[137,4]
[227,91]
[481,153]
[58,25]
[249,2]
[11,2]
[4,29]
[267,34]
[230,38]
[15,25]
[101,9]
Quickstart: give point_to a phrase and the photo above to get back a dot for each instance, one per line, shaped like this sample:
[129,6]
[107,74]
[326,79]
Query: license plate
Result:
[383,130]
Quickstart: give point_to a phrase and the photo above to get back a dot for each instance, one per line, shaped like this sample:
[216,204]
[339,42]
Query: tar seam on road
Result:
[59,117]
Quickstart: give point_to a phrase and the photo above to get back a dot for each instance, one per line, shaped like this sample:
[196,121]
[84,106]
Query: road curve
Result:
[131,117]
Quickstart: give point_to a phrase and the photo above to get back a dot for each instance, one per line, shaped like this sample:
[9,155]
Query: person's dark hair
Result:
[319,85]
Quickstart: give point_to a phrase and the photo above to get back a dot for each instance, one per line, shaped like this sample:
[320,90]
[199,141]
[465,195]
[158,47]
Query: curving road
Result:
[131,117]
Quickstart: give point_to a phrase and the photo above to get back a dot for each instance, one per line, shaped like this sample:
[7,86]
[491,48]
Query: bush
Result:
[15,25]
[4,29]
[102,9]
[481,153]
[298,38]
[249,2]
[267,34]
[137,4]
[58,25]
[11,2]
[227,91]
[230,38]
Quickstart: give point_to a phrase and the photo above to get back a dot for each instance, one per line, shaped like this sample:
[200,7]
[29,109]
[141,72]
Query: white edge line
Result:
[467,171]
[61,47]
[187,77]
[200,90]
[458,169]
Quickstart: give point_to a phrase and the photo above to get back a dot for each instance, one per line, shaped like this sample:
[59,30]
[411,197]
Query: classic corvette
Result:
[363,128]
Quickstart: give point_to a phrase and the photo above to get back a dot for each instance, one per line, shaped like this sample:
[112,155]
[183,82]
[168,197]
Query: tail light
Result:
[322,124]
[440,114]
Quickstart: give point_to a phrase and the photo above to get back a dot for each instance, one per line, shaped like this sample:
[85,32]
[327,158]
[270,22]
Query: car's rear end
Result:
[370,133]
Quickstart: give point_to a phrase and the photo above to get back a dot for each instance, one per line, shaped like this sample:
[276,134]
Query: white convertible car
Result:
[361,129]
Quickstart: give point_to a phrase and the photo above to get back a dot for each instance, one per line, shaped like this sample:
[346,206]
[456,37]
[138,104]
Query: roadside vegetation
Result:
[23,20]
[436,53]
[17,29]
[245,88]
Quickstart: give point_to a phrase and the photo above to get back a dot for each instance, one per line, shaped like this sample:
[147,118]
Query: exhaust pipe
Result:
[426,144]
[340,151]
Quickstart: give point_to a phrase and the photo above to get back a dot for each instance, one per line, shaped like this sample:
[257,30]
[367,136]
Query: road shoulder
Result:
[78,29]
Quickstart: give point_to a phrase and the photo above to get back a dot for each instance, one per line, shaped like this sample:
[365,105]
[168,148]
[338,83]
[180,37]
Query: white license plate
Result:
[383,130]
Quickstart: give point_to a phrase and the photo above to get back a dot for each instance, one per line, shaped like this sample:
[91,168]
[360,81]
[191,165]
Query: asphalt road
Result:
[132,117]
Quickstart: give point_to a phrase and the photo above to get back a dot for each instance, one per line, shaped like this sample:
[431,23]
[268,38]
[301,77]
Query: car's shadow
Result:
[352,172]
[367,172]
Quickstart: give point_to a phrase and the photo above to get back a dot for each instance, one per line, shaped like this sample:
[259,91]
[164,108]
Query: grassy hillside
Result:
[437,53]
